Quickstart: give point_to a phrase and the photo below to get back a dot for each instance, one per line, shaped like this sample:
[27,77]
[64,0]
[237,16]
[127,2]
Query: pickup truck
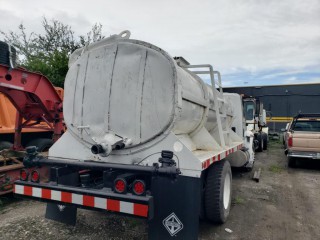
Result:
[302,138]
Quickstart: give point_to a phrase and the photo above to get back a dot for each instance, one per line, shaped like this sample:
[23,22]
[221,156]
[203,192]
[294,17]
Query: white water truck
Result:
[146,137]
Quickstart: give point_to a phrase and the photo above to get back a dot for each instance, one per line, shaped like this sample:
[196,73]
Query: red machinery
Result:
[36,101]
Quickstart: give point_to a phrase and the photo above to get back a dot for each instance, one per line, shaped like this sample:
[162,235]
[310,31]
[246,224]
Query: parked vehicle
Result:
[146,137]
[302,138]
[256,121]
[30,115]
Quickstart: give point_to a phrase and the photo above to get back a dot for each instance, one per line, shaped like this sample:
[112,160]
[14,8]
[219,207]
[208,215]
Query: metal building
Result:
[284,101]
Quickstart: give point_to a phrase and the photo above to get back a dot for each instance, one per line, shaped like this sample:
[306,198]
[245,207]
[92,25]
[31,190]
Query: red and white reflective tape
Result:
[83,200]
[222,155]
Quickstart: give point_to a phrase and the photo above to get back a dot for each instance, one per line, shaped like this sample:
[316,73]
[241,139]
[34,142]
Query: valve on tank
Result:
[110,143]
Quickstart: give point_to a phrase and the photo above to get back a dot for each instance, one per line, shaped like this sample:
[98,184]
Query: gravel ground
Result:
[283,205]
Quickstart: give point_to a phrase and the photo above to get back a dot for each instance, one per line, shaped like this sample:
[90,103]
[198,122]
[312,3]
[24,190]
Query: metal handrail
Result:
[211,72]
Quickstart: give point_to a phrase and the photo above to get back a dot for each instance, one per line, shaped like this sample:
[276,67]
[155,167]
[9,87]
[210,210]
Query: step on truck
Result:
[147,137]
[30,115]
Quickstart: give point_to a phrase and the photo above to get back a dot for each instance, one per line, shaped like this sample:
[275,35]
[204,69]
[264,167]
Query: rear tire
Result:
[5,145]
[43,144]
[292,162]
[217,196]
[265,141]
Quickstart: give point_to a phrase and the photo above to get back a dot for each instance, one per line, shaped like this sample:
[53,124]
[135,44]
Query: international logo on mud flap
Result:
[172,224]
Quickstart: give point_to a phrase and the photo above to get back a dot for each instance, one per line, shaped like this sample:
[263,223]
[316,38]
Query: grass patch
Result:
[274,143]
[238,200]
[275,168]
[133,223]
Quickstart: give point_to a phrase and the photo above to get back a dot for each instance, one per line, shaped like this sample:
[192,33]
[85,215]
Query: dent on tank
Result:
[122,93]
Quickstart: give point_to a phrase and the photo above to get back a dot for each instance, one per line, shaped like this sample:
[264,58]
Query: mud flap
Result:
[63,213]
[176,208]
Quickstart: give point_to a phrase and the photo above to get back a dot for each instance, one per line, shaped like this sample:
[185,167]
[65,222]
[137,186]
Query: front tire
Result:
[217,197]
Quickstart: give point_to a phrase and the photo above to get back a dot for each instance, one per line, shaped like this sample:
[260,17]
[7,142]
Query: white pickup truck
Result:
[302,138]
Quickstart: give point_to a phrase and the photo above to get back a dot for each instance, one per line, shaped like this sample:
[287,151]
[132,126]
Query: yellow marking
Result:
[285,121]
[281,118]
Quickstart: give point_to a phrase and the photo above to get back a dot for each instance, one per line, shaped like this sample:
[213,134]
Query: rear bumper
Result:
[104,199]
[310,155]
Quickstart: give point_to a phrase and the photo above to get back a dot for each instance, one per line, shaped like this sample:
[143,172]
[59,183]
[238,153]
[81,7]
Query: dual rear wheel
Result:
[262,139]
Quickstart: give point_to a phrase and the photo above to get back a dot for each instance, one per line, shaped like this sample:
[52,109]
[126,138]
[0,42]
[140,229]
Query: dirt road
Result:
[283,205]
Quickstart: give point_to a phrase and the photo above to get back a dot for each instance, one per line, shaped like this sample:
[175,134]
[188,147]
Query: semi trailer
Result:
[39,134]
[30,115]
[146,137]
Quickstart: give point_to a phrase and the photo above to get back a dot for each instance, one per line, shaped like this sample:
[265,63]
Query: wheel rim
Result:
[227,191]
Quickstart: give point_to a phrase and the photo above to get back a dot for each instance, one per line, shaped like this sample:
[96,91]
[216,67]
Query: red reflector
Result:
[35,176]
[290,141]
[120,185]
[24,174]
[139,187]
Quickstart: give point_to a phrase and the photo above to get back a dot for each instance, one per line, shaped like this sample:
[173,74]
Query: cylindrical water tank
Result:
[134,90]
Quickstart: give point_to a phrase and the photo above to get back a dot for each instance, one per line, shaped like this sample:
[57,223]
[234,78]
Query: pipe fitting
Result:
[103,149]
[97,149]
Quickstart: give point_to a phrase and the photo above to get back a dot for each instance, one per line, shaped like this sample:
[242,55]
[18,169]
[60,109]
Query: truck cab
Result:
[256,122]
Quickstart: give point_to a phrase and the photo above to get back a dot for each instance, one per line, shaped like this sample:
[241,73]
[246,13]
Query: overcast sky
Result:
[251,42]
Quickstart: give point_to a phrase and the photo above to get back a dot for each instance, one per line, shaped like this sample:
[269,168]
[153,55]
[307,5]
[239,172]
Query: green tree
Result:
[49,52]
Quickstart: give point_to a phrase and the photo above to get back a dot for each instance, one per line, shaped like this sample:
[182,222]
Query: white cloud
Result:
[234,36]
[287,73]
[296,80]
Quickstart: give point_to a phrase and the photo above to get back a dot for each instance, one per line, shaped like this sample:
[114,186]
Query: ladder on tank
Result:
[219,100]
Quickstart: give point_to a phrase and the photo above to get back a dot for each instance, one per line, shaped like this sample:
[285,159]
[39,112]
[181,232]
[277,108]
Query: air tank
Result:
[130,90]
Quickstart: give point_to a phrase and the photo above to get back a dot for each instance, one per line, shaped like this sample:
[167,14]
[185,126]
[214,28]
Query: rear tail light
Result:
[35,176]
[120,185]
[24,174]
[290,141]
[139,187]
